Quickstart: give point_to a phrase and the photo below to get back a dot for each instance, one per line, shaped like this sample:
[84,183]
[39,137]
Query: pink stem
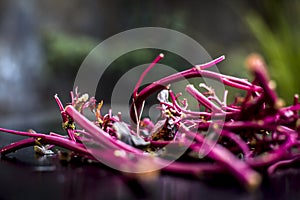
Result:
[190,73]
[276,155]
[238,140]
[211,63]
[138,84]
[239,168]
[202,99]
[97,133]
[43,138]
[278,164]
[65,117]
[17,145]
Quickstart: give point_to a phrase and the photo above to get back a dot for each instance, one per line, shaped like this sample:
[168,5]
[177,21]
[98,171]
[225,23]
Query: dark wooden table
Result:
[24,175]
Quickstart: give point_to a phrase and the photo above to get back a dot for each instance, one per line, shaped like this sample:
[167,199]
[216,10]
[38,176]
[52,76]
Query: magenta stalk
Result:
[241,170]
[190,73]
[138,84]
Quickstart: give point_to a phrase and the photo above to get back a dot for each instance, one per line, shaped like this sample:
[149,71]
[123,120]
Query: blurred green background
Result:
[43,43]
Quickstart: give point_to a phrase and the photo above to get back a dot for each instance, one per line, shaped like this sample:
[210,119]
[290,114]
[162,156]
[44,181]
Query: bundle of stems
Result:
[255,134]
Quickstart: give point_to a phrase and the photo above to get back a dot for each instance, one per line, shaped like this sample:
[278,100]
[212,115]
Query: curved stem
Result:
[238,140]
[17,145]
[138,84]
[281,163]
[190,73]
[202,99]
[240,169]
[210,64]
[274,156]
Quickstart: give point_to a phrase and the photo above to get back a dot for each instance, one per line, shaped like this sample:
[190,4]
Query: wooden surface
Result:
[23,175]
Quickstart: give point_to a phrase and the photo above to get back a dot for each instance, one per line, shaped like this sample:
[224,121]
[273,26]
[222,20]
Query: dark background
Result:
[43,43]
